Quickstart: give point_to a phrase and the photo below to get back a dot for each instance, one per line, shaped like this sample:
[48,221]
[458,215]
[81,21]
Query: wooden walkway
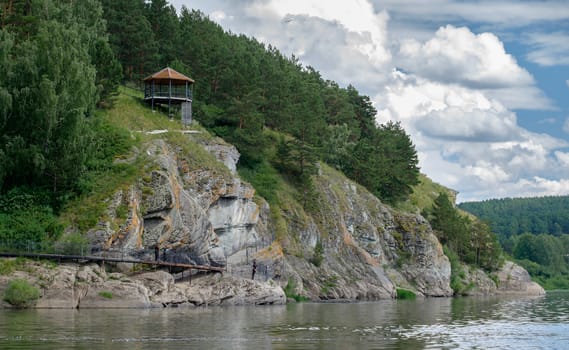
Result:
[62,257]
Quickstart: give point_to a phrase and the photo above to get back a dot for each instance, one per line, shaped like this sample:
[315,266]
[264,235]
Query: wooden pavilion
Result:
[168,87]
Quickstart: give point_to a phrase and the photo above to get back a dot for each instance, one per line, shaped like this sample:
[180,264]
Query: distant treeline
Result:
[533,231]
[514,216]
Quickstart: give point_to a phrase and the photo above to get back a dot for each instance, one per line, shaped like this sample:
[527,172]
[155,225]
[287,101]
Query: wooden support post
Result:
[169,96]
[152,92]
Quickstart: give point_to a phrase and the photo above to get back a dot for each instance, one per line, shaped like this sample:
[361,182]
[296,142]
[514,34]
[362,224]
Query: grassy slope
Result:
[424,195]
[132,116]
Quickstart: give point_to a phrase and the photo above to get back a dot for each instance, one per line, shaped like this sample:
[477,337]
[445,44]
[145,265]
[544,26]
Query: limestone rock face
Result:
[227,154]
[510,279]
[513,279]
[218,290]
[369,250]
[195,216]
[480,282]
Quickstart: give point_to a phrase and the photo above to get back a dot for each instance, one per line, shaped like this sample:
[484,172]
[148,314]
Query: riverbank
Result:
[91,286]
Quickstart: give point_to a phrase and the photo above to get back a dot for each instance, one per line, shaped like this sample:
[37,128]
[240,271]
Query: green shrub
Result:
[7,266]
[494,278]
[20,293]
[457,273]
[405,294]
[122,211]
[106,295]
[265,179]
[289,292]
[26,222]
[318,255]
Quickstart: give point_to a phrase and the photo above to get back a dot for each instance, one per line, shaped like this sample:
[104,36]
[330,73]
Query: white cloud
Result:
[526,187]
[468,141]
[445,111]
[218,16]
[522,97]
[357,16]
[456,55]
[478,61]
[549,49]
[563,158]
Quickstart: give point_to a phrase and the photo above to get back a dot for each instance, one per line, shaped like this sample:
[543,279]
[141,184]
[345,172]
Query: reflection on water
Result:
[463,323]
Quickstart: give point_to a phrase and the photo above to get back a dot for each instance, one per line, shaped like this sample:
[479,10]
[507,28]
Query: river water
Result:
[460,323]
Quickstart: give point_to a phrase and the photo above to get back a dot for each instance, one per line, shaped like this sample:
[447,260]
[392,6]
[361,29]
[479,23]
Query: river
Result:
[459,323]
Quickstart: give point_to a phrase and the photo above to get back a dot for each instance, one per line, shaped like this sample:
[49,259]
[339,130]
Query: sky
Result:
[482,87]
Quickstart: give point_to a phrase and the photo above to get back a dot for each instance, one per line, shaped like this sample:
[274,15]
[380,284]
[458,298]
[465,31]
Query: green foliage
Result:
[72,55]
[131,37]
[318,255]
[515,216]
[457,273]
[86,211]
[7,266]
[470,239]
[122,211]
[47,137]
[265,179]
[405,294]
[545,258]
[532,231]
[26,217]
[424,194]
[329,282]
[106,294]
[21,294]
[55,64]
[289,292]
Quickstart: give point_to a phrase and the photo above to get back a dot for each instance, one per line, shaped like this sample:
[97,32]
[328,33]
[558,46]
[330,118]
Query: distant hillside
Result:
[514,216]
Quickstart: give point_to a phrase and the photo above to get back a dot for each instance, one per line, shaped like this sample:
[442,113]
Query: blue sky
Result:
[482,87]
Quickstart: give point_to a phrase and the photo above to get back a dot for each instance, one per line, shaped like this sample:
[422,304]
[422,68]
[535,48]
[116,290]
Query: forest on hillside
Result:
[514,216]
[533,230]
[62,61]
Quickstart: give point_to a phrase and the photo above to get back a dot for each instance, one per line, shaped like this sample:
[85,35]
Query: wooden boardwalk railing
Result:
[157,263]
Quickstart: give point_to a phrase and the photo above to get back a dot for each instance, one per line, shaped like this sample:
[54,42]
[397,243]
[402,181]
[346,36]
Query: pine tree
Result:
[131,37]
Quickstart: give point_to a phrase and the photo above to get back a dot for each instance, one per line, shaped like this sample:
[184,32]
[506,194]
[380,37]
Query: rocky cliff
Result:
[346,245]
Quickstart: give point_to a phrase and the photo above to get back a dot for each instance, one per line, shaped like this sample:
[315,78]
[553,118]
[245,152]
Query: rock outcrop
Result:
[510,279]
[368,250]
[195,216]
[71,286]
[513,279]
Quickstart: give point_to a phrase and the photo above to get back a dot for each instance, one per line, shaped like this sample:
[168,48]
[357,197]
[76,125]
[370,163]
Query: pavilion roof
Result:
[168,74]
